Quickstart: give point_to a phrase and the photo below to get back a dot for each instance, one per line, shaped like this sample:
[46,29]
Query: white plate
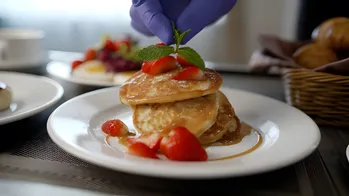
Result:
[288,136]
[60,67]
[31,94]
[348,152]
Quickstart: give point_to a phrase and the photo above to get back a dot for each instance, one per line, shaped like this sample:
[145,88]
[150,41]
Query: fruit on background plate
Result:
[94,70]
[108,59]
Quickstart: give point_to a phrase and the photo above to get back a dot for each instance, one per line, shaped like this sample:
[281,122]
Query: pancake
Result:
[143,88]
[226,121]
[197,115]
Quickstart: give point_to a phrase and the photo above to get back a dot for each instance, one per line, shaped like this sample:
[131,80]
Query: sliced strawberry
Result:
[76,64]
[190,73]
[146,66]
[152,140]
[160,44]
[163,65]
[140,149]
[182,145]
[90,54]
[115,128]
[110,46]
[183,62]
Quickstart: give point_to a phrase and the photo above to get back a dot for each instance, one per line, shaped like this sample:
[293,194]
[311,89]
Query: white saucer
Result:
[288,136]
[31,94]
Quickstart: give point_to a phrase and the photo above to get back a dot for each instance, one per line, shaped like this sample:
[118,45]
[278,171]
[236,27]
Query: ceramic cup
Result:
[21,45]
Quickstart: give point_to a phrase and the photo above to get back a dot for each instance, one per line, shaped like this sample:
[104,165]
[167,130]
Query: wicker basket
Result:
[324,97]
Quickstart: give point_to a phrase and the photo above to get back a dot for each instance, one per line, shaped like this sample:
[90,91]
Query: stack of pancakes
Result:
[160,103]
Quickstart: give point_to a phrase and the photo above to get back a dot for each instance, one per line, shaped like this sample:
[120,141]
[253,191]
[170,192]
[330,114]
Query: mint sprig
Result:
[178,36]
[192,56]
[155,52]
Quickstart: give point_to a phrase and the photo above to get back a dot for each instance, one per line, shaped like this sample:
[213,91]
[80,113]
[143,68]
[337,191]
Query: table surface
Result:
[31,161]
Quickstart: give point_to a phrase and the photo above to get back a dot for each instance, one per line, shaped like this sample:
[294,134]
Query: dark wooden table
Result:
[28,154]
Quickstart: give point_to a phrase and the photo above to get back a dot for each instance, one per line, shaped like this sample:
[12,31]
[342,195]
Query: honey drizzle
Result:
[258,143]
[106,139]
[232,139]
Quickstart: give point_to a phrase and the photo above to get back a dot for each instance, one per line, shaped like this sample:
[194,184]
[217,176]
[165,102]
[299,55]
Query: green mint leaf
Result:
[154,52]
[175,32]
[192,56]
[181,36]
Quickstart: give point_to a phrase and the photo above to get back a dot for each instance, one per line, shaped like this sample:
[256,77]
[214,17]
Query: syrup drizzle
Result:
[227,140]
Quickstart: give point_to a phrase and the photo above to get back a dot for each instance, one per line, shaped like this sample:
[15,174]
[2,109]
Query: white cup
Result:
[21,45]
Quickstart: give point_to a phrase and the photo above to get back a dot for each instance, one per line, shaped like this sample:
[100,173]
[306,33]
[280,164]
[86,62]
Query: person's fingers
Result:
[199,14]
[141,28]
[173,8]
[150,13]
[137,23]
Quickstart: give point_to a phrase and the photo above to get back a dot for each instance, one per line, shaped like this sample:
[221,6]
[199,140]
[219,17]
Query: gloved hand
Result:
[153,17]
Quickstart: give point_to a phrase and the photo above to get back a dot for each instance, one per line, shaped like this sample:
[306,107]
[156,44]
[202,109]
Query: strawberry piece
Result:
[190,73]
[90,54]
[182,145]
[140,149]
[110,46]
[115,128]
[76,64]
[163,65]
[183,62]
[152,140]
[160,44]
[146,66]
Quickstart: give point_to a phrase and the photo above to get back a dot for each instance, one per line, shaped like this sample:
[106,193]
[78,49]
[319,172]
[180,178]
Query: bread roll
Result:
[314,55]
[334,33]
[319,32]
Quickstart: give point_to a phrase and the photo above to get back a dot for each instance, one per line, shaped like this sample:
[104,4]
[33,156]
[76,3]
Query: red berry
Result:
[152,140]
[160,44]
[76,64]
[140,149]
[190,73]
[146,66]
[90,54]
[163,65]
[182,145]
[115,128]
[110,46]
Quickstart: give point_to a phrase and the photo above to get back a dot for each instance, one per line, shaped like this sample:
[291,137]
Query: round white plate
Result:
[31,95]
[348,152]
[288,136]
[62,70]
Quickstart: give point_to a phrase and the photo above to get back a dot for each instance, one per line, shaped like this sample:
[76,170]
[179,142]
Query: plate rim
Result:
[80,81]
[348,153]
[85,154]
[25,114]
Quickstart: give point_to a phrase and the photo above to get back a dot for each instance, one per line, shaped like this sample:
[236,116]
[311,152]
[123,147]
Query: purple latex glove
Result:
[153,17]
